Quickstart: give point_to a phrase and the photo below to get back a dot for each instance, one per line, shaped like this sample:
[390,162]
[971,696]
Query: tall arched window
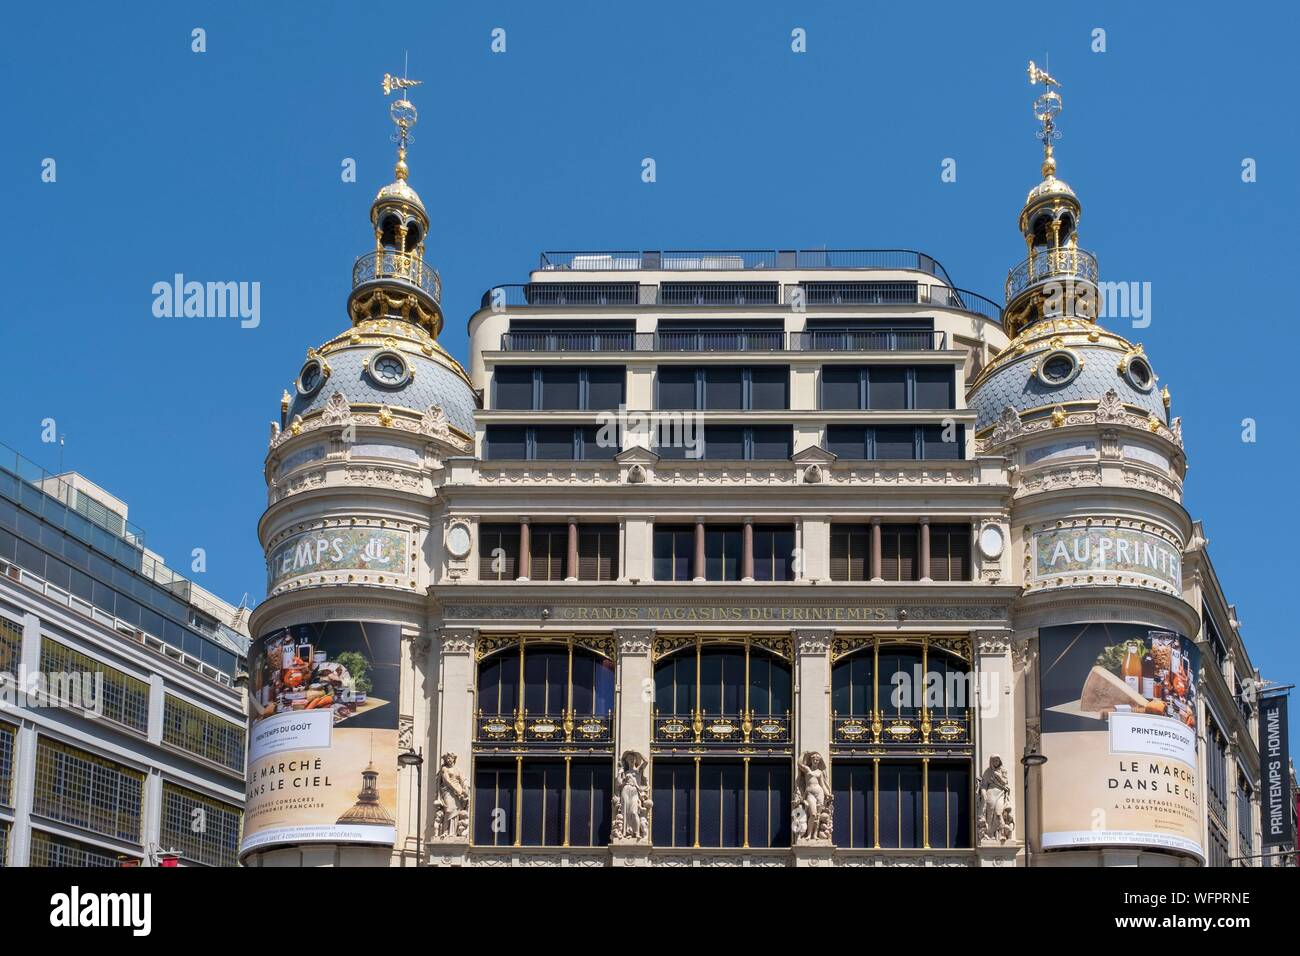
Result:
[901,743]
[722,772]
[543,745]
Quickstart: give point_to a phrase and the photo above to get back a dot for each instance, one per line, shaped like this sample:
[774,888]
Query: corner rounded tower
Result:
[1099,536]
[352,528]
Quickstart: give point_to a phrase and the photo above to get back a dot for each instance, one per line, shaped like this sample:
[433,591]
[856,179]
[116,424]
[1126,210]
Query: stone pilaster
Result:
[455,732]
[995,737]
[635,690]
[812,676]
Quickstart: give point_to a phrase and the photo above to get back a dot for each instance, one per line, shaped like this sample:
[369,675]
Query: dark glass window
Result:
[546,681]
[854,785]
[675,685]
[598,552]
[722,552]
[553,441]
[498,684]
[901,811]
[724,387]
[769,685]
[498,552]
[676,387]
[773,553]
[853,685]
[898,551]
[895,441]
[599,442]
[934,386]
[850,552]
[674,547]
[768,803]
[950,552]
[548,552]
[673,820]
[593,685]
[770,442]
[543,803]
[724,442]
[605,385]
[900,681]
[847,441]
[590,797]
[842,387]
[722,681]
[505,441]
[514,387]
[935,447]
[769,387]
[559,388]
[494,803]
[722,803]
[886,387]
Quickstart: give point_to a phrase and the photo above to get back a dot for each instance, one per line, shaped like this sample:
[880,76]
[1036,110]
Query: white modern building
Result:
[122,731]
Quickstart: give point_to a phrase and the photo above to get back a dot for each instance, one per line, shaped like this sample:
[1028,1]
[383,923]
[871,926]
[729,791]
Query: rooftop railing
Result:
[692,260]
[1065,263]
[399,266]
[584,295]
[724,340]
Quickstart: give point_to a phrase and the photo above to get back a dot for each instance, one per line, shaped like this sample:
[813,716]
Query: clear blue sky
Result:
[225,166]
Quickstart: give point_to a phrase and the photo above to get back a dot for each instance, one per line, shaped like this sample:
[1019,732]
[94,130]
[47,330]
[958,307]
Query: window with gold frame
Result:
[544,730]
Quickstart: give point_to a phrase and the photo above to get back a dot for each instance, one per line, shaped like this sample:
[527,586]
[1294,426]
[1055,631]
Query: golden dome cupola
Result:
[1057,278]
[394,281]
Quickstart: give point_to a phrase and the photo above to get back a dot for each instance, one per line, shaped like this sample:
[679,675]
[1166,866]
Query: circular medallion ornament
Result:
[990,541]
[388,369]
[458,541]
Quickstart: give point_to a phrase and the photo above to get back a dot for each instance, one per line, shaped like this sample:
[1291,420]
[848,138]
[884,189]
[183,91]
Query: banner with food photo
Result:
[1119,733]
[322,762]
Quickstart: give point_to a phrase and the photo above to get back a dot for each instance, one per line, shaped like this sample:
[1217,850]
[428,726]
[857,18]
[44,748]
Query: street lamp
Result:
[412,758]
[1032,758]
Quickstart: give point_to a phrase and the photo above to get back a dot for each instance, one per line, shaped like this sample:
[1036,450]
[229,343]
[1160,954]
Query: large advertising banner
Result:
[1274,748]
[1119,733]
[322,761]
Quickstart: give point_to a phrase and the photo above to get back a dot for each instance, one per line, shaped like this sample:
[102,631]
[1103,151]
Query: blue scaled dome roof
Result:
[1067,362]
[387,362]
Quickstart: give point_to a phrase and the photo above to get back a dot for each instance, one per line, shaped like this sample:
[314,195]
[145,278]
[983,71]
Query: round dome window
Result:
[311,377]
[389,369]
[1139,374]
[1059,368]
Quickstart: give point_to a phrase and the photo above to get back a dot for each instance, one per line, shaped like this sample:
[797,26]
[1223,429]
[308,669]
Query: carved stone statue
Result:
[811,816]
[631,799]
[451,812]
[994,820]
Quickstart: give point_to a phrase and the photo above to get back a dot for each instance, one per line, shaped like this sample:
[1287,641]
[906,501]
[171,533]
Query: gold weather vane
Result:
[404,116]
[1046,108]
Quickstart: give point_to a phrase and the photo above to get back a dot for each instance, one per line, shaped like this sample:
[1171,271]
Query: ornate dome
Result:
[1065,361]
[385,362]
[1051,186]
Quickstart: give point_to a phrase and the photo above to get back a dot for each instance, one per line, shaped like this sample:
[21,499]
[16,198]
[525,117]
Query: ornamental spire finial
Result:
[1046,108]
[404,116]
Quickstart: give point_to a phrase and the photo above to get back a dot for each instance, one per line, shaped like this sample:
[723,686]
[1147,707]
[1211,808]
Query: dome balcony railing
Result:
[399,266]
[1048,264]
